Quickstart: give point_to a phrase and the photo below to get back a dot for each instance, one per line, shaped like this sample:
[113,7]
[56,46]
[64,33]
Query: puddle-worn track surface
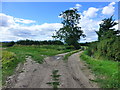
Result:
[74,73]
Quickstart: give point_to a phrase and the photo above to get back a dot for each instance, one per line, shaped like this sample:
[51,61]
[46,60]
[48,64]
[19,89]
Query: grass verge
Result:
[69,54]
[107,71]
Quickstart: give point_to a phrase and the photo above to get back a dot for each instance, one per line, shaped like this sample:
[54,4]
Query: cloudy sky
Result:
[39,20]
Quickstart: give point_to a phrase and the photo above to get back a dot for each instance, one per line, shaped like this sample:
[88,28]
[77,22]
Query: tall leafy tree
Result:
[108,45]
[70,32]
[106,29]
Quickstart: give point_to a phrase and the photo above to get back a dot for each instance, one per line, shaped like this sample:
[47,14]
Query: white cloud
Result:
[89,26]
[117,26]
[25,21]
[112,3]
[6,20]
[11,30]
[91,12]
[77,6]
[109,10]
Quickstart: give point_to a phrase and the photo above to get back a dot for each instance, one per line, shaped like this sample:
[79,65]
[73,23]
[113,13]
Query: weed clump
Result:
[55,80]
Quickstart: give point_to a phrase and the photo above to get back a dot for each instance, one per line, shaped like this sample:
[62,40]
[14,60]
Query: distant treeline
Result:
[31,42]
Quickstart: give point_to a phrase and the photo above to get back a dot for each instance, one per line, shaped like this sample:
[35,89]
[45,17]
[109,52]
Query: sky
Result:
[60,0]
[39,20]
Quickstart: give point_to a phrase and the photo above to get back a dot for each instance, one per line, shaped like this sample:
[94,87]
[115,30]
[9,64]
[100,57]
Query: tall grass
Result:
[107,71]
[9,62]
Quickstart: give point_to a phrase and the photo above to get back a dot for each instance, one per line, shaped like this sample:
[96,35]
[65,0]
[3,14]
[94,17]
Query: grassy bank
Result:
[13,55]
[106,71]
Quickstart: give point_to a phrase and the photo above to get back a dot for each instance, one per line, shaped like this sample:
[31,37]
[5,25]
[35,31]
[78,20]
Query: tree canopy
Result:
[70,32]
[106,29]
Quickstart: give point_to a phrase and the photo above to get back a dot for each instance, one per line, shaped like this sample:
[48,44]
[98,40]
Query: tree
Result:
[106,29]
[70,32]
[108,45]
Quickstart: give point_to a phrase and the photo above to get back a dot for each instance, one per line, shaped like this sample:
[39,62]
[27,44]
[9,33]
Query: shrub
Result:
[106,49]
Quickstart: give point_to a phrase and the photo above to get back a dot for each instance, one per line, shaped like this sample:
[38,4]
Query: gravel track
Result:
[74,73]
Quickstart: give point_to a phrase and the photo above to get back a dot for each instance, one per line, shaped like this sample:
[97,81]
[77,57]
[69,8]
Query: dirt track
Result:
[74,73]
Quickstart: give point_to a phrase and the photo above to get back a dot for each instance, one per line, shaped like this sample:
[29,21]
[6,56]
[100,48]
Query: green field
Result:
[106,71]
[13,55]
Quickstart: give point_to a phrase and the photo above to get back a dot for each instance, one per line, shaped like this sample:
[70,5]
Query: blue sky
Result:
[60,0]
[46,11]
[39,20]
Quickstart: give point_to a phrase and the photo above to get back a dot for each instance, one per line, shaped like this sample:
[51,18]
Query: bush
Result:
[92,48]
[105,49]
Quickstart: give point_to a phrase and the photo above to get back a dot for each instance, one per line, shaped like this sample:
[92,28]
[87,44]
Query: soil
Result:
[74,73]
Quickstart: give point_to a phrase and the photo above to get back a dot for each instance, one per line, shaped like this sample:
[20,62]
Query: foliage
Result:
[109,49]
[9,62]
[55,77]
[107,72]
[105,49]
[70,32]
[109,40]
[106,29]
